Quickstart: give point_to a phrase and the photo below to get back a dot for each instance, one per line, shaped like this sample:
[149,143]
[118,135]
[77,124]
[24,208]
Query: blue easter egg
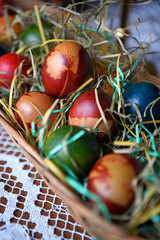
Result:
[142,94]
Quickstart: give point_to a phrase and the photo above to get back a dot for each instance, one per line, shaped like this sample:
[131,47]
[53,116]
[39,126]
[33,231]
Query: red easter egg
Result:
[111,179]
[3,3]
[33,104]
[85,112]
[9,65]
[102,72]
[106,84]
[66,68]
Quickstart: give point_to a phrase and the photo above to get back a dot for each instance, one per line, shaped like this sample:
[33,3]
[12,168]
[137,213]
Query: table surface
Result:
[28,208]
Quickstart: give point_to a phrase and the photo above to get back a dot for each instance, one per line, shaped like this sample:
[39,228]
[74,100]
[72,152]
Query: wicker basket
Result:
[93,223]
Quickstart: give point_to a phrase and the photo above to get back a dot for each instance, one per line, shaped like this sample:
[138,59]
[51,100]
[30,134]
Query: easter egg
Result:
[107,78]
[106,83]
[7,31]
[66,67]
[3,3]
[85,111]
[77,150]
[31,35]
[9,66]
[142,94]
[111,180]
[32,105]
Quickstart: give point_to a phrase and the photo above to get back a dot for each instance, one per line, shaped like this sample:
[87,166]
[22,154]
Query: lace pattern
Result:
[28,208]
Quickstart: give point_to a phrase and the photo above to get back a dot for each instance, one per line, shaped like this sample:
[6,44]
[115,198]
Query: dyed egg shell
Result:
[103,72]
[3,3]
[32,35]
[9,64]
[78,155]
[6,34]
[106,84]
[33,104]
[66,68]
[142,94]
[85,112]
[111,179]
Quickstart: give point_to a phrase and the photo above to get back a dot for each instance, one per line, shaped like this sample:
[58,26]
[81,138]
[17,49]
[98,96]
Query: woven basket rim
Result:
[69,197]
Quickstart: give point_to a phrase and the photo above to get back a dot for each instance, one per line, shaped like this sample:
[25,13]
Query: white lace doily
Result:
[28,208]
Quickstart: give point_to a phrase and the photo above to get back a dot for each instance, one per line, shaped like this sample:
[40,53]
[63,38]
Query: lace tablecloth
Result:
[28,208]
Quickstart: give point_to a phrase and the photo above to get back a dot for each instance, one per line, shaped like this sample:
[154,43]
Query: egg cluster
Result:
[80,118]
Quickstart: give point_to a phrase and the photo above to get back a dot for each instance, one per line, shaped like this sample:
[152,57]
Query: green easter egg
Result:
[72,147]
[32,35]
